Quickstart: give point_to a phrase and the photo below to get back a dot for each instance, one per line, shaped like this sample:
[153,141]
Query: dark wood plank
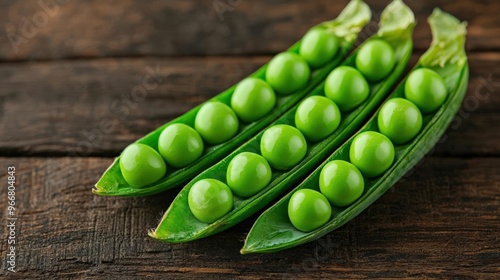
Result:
[172,28]
[85,108]
[442,221]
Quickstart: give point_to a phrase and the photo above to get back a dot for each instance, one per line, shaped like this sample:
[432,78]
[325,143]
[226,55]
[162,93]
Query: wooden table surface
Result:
[67,73]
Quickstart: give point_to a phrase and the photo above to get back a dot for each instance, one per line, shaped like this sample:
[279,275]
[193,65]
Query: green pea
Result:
[317,117]
[283,146]
[216,122]
[341,182]
[399,120]
[252,99]
[375,60]
[308,210]
[180,145]
[247,174]
[426,89]
[209,200]
[287,72]
[372,153]
[318,47]
[346,87]
[141,165]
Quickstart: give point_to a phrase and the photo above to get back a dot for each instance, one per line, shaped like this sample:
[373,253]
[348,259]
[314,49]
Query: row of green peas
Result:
[180,145]
[371,153]
[284,146]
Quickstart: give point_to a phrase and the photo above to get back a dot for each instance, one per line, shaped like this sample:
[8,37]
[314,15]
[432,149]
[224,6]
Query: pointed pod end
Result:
[244,252]
[97,190]
[256,247]
[350,21]
[449,25]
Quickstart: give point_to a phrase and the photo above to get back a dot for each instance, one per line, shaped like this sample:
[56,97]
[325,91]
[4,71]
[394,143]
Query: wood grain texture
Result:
[441,221]
[91,108]
[83,29]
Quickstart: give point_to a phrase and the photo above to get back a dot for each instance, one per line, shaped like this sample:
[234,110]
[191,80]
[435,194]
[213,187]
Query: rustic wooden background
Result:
[67,71]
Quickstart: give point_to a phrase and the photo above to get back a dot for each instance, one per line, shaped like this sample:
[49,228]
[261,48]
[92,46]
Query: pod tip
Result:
[152,233]
[245,250]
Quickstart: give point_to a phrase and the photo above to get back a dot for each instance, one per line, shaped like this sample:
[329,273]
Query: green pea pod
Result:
[179,224]
[346,27]
[273,230]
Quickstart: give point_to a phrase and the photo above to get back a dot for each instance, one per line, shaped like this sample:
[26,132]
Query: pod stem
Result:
[448,43]
[396,21]
[350,21]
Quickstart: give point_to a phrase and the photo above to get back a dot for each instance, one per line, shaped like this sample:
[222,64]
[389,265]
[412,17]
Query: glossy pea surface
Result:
[180,145]
[317,117]
[216,122]
[209,200]
[372,153]
[318,47]
[252,99]
[426,89]
[341,183]
[141,165]
[346,87]
[287,72]
[308,210]
[283,146]
[248,173]
[375,60]
[400,120]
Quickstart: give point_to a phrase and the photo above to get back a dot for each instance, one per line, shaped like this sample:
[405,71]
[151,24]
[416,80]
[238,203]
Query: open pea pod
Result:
[346,27]
[273,230]
[180,225]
